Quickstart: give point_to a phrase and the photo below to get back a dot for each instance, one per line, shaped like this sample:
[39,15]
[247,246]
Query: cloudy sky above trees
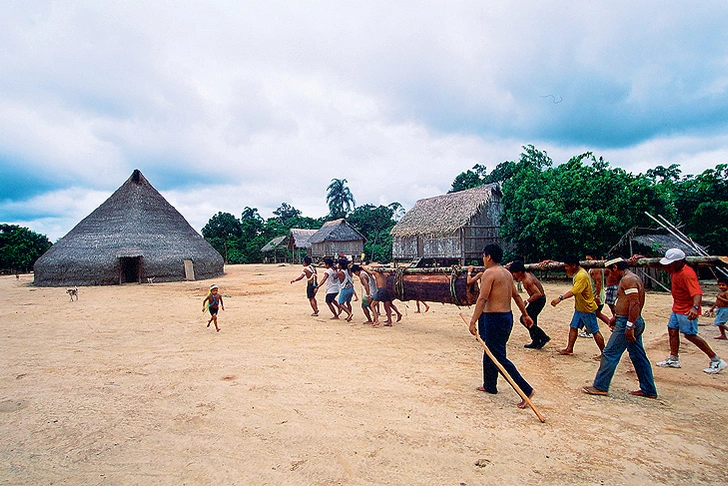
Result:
[227,104]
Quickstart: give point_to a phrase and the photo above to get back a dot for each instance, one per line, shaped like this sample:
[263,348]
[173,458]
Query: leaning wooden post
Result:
[505,373]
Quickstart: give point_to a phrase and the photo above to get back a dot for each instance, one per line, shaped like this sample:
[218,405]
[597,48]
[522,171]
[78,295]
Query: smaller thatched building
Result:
[451,228]
[134,236]
[274,247]
[299,241]
[653,243]
[335,238]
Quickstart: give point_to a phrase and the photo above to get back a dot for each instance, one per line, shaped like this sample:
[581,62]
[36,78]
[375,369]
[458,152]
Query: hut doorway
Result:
[130,269]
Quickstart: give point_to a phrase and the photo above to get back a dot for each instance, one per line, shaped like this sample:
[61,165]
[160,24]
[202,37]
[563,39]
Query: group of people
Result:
[615,287]
[338,279]
[624,293]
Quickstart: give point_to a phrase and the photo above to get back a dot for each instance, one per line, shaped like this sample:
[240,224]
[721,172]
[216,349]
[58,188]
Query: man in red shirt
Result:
[686,299]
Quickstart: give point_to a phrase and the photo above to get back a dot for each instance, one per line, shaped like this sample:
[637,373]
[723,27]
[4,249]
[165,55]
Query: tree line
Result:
[239,240]
[585,205]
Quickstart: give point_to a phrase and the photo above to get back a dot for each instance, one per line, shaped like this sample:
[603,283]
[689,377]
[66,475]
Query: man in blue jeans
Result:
[627,334]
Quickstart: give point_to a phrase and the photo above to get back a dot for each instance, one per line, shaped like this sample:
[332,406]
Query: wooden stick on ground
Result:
[505,373]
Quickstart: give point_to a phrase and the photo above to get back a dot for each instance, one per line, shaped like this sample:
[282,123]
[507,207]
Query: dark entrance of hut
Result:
[130,269]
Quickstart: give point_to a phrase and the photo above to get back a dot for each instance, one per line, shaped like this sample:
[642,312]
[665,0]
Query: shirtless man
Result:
[536,302]
[628,327]
[493,320]
[382,295]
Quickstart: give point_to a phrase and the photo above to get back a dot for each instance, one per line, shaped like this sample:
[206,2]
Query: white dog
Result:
[72,292]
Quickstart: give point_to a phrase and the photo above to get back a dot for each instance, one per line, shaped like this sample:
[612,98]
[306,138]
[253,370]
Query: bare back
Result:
[496,287]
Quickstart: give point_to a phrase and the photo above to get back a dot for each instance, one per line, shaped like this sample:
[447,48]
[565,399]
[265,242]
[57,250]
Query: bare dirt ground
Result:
[128,386]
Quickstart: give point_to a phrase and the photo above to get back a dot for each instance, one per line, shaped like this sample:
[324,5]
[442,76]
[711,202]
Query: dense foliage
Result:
[20,248]
[585,205]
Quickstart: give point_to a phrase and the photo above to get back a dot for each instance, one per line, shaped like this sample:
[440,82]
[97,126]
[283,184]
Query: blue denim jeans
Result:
[495,329]
[613,353]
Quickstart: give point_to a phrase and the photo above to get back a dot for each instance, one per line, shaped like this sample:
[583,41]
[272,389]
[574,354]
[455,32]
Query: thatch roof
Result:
[652,243]
[336,230]
[445,214]
[135,222]
[274,244]
[300,238]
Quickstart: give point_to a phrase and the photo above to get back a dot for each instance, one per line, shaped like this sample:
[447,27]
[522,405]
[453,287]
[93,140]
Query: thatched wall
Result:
[135,225]
[336,237]
[450,226]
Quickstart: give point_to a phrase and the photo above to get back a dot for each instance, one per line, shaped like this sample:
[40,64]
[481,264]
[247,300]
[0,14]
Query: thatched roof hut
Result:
[335,238]
[449,228]
[273,246]
[135,235]
[299,240]
[650,242]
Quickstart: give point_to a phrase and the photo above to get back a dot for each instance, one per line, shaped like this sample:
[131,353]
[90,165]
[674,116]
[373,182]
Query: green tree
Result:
[581,205]
[375,223]
[287,214]
[702,205]
[339,198]
[20,247]
[221,231]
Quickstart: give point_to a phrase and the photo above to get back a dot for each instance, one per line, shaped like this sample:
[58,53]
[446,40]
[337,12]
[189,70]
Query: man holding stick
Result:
[493,320]
[628,327]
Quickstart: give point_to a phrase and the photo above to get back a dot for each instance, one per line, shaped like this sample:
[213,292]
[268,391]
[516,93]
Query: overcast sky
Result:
[223,105]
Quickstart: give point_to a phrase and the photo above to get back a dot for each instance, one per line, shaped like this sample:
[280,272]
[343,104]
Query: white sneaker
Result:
[716,366]
[585,334]
[672,363]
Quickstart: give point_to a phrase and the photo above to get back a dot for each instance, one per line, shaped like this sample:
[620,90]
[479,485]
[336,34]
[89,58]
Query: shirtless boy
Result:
[493,320]
[382,295]
[366,299]
[535,303]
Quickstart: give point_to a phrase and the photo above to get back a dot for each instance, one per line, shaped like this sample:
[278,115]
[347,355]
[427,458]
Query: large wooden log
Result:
[449,284]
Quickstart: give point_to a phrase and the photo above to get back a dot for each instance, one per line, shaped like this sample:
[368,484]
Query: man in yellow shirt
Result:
[585,307]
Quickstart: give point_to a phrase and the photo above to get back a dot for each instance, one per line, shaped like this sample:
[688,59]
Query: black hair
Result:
[307,260]
[328,262]
[355,268]
[571,259]
[494,251]
[723,279]
[621,265]
[517,266]
[343,262]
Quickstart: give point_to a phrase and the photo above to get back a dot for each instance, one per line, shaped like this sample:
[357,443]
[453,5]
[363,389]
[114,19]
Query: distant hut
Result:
[451,228]
[273,247]
[299,241]
[134,236]
[650,243]
[335,238]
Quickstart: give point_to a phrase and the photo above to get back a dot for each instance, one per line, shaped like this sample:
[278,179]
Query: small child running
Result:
[212,302]
[721,308]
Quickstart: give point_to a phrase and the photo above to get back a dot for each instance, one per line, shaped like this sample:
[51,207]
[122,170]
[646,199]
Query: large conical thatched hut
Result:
[451,228]
[134,236]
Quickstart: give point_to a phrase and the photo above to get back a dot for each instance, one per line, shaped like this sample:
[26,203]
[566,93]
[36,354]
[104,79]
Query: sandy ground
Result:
[128,386]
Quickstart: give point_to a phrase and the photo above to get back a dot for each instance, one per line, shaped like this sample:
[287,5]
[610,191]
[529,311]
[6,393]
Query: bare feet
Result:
[388,324]
[333,318]
[597,357]
[524,403]
[399,317]
[566,352]
[593,391]
[217,329]
[348,318]
[721,337]
[375,324]
[208,324]
[640,393]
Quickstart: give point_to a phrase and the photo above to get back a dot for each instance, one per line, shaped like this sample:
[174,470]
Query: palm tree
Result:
[339,198]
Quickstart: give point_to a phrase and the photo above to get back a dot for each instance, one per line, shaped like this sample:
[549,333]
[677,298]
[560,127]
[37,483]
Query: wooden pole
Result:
[505,373]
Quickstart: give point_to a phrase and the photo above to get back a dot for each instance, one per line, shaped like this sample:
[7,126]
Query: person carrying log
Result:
[584,305]
[492,320]
[628,327]
[687,297]
[535,303]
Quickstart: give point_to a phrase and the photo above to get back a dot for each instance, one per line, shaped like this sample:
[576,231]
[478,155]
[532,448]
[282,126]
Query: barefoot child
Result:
[721,308]
[212,302]
[309,273]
